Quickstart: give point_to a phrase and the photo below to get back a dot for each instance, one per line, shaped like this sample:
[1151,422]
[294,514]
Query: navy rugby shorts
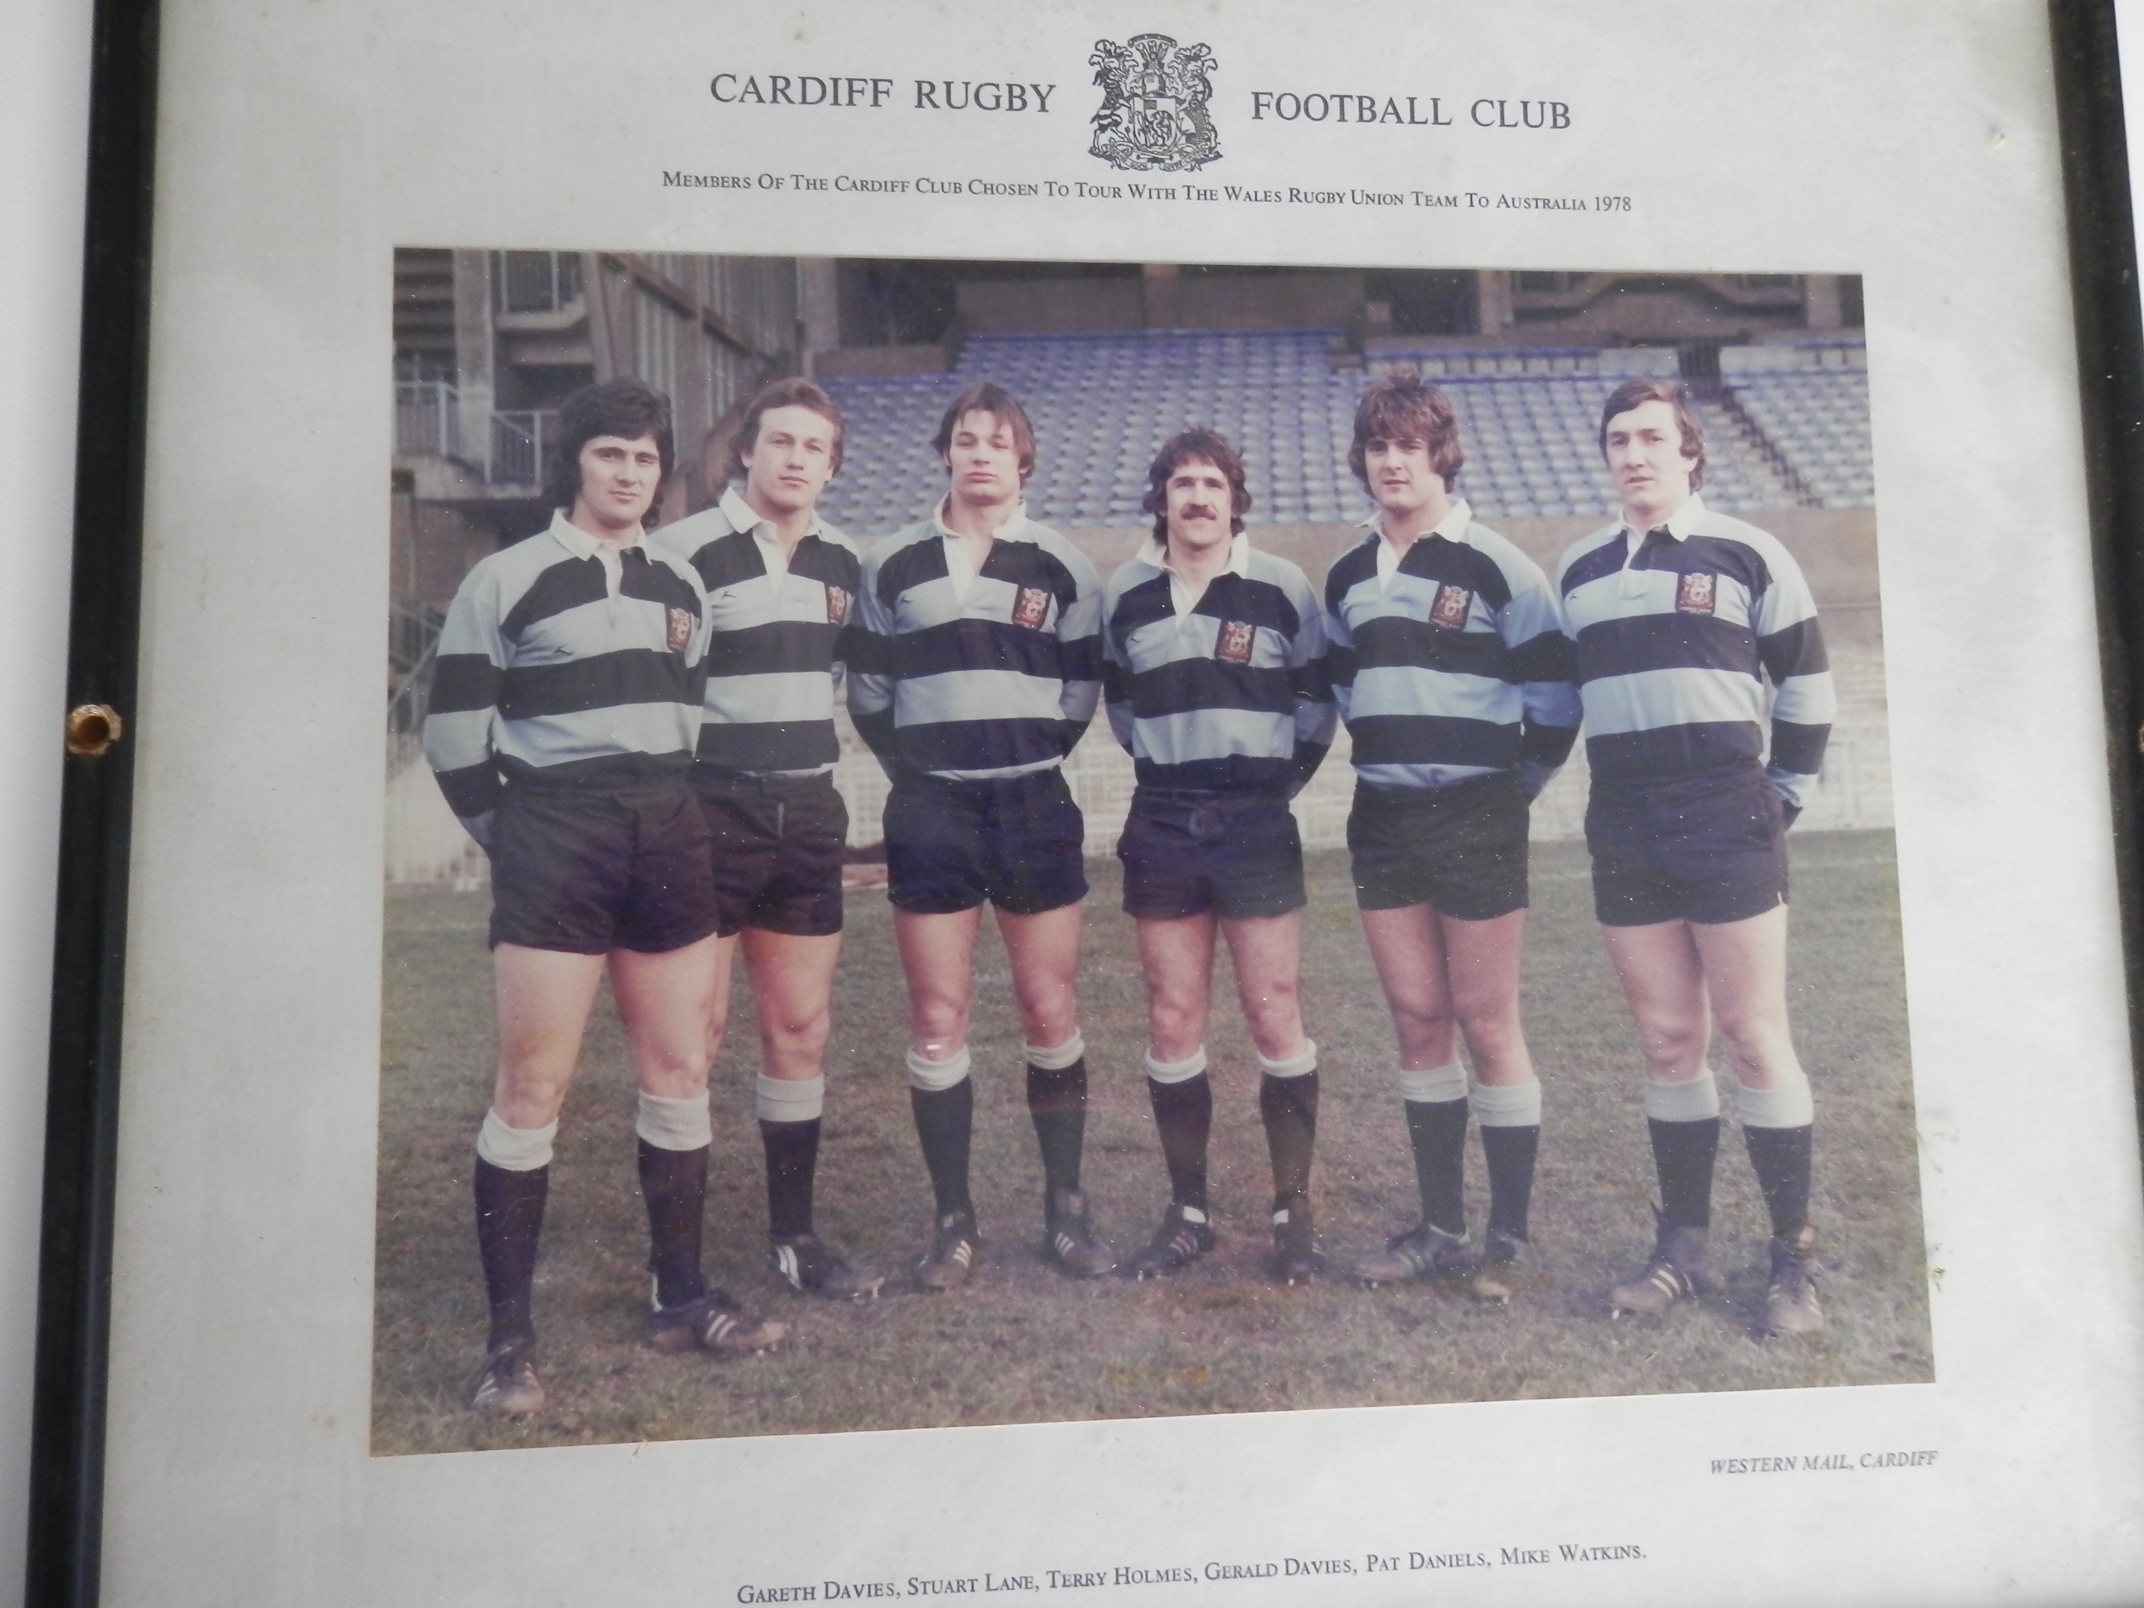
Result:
[1460,849]
[1193,853]
[1709,848]
[589,869]
[1016,842]
[774,845]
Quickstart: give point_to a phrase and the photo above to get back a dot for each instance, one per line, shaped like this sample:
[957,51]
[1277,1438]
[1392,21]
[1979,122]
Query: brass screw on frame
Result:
[92,729]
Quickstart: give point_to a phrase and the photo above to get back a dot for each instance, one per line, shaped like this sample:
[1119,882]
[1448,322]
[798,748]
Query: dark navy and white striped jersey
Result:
[568,658]
[1451,662]
[975,678]
[1678,632]
[776,637]
[1223,692]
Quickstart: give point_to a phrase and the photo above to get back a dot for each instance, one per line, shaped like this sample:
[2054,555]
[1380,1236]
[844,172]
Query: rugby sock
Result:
[1510,1118]
[509,1221]
[1684,1121]
[1182,1097]
[1781,1159]
[1777,1128]
[942,1096]
[1057,1101]
[1436,1106]
[674,1184]
[789,1116]
[674,1139]
[1288,1104]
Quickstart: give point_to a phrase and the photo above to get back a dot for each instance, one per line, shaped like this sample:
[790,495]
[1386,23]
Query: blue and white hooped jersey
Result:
[1677,640]
[1230,693]
[564,659]
[994,680]
[1455,666]
[776,639]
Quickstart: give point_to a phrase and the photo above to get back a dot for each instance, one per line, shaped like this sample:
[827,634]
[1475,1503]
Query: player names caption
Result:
[1822,1462]
[1081,192]
[1120,1576]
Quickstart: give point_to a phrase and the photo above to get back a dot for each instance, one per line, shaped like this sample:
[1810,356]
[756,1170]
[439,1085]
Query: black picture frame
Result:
[85,1083]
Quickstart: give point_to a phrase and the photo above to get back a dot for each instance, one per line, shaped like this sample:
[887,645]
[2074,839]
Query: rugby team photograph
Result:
[986,842]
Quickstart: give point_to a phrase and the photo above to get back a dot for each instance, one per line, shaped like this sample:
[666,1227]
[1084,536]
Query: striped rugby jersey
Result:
[561,660]
[1454,663]
[998,682]
[1676,640]
[776,637]
[1228,693]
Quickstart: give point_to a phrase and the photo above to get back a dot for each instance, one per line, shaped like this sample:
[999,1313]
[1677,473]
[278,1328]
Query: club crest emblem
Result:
[1031,607]
[1153,116]
[1234,643]
[837,606]
[677,630]
[1695,593]
[1451,607]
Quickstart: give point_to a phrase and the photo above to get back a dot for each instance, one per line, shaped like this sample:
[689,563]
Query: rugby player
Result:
[1450,665]
[1682,616]
[1213,676]
[564,710]
[976,671]
[780,586]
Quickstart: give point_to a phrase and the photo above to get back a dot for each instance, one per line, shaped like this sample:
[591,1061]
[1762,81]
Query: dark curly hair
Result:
[1400,407]
[987,396]
[1196,445]
[1636,393]
[627,409]
[790,393]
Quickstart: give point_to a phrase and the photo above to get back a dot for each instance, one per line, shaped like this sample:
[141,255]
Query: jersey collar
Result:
[1156,553]
[1682,524]
[579,543]
[743,517]
[1015,528]
[1453,527]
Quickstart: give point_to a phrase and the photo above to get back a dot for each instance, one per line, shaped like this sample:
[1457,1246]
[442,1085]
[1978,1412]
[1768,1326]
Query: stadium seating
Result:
[1787,425]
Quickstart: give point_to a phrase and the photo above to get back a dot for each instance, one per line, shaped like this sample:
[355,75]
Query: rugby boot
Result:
[1790,1304]
[714,1322]
[1296,1257]
[1423,1252]
[1681,1266]
[507,1384]
[1069,1242]
[946,1265]
[810,1266]
[1178,1243]
[1504,1271]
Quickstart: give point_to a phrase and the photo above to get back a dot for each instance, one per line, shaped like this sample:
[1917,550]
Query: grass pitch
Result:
[1023,1344]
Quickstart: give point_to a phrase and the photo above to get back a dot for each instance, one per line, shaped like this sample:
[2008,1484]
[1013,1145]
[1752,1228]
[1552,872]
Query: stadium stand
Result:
[1788,424]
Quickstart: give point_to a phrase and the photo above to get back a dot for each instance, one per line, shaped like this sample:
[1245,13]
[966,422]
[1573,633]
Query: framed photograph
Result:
[1474,516]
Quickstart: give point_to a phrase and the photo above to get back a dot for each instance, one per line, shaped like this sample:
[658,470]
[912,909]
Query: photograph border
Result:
[89,941]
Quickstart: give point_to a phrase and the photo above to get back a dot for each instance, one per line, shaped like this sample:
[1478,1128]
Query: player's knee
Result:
[1676,1041]
[1757,1044]
[1490,1021]
[938,1019]
[1050,1019]
[1276,1025]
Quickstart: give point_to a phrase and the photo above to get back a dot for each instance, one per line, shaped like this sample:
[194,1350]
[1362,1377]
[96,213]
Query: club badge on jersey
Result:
[1451,607]
[677,631]
[837,606]
[1695,593]
[1234,642]
[1031,607]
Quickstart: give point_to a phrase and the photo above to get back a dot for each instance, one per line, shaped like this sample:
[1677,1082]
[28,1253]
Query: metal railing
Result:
[426,415]
[428,424]
[518,442]
[536,281]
